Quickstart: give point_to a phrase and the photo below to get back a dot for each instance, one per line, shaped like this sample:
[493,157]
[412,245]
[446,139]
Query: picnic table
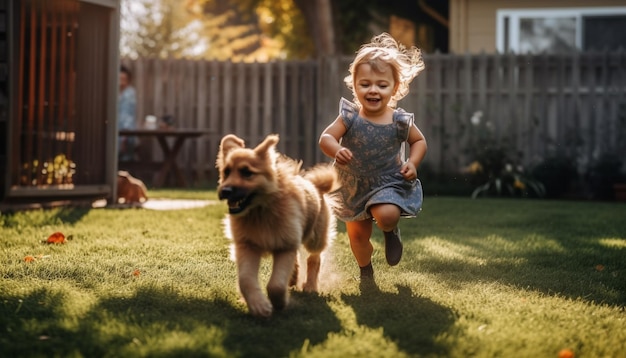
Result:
[169,164]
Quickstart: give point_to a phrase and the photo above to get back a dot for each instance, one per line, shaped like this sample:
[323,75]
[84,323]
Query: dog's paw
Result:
[309,287]
[260,307]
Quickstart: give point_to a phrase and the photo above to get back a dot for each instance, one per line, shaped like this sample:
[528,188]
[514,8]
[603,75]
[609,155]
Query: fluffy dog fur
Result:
[274,208]
[130,190]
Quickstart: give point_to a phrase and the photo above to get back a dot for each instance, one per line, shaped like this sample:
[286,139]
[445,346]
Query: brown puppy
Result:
[130,190]
[274,208]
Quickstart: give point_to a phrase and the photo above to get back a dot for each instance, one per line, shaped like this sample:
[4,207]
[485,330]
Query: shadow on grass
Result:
[160,322]
[41,218]
[411,321]
[575,250]
[72,215]
[29,322]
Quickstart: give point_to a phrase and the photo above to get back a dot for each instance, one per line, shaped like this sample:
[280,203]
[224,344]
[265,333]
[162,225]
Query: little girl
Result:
[366,143]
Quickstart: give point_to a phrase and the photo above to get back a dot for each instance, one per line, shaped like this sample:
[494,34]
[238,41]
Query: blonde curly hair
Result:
[383,51]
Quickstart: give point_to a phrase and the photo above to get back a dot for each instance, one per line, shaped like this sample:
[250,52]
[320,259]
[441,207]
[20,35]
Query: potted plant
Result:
[496,167]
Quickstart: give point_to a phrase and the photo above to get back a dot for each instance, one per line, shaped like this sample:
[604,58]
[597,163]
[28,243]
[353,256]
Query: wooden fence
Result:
[574,104]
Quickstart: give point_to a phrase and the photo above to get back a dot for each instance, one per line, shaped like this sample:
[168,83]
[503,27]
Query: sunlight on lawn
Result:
[613,243]
[536,279]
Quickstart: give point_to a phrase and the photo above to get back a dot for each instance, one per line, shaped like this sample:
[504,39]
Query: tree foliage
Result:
[258,30]
[151,29]
[279,23]
[164,28]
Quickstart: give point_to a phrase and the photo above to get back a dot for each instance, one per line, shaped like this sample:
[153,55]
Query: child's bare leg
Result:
[359,233]
[386,216]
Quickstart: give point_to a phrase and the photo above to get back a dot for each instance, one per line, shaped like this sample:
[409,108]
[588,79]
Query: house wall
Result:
[473,23]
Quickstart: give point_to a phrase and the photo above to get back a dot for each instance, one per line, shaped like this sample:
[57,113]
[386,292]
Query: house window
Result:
[560,30]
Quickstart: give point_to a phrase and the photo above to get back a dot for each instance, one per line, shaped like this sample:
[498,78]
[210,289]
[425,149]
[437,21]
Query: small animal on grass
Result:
[130,190]
[274,208]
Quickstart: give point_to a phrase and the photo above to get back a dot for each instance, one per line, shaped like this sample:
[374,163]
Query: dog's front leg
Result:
[284,262]
[248,262]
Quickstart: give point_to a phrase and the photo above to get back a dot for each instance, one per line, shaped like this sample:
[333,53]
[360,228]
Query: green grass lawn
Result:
[480,278]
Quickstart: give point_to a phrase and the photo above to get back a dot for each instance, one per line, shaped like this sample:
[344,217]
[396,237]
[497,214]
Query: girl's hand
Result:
[343,156]
[408,171]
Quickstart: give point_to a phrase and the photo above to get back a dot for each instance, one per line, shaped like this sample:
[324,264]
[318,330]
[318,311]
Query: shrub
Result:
[496,165]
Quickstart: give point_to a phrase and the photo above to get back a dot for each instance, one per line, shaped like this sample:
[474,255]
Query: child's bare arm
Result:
[329,142]
[418,146]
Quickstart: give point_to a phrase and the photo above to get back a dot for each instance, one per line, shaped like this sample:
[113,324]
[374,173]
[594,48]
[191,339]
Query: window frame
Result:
[508,22]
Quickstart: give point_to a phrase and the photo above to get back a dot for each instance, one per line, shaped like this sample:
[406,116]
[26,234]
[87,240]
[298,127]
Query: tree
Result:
[279,24]
[318,15]
[259,30]
[282,22]
[230,32]
[152,29]
[163,28]
[305,28]
[314,28]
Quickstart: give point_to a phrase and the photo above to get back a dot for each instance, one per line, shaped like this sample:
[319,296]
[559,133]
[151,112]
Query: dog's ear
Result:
[231,141]
[267,149]
[228,143]
[267,146]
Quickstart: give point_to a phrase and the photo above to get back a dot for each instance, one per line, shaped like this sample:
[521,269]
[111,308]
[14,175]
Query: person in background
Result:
[126,115]
[366,142]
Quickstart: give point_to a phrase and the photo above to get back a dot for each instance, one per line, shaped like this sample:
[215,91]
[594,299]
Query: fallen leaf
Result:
[136,272]
[566,353]
[29,258]
[599,267]
[56,238]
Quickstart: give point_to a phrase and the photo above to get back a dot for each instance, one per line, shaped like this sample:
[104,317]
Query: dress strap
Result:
[405,121]
[348,111]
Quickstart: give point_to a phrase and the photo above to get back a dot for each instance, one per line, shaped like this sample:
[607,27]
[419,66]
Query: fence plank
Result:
[281,103]
[527,121]
[254,117]
[268,92]
[240,101]
[201,114]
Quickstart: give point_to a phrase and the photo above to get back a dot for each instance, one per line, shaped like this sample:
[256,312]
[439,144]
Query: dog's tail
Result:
[324,177]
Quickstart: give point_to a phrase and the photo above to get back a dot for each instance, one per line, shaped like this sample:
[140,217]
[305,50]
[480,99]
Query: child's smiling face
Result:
[374,87]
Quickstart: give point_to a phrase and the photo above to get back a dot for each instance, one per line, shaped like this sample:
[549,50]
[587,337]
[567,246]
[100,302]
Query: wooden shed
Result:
[58,91]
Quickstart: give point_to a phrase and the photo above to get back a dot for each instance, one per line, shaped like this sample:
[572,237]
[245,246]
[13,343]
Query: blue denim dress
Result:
[373,176]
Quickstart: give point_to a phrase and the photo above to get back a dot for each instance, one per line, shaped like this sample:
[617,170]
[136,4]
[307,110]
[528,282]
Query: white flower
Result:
[476,117]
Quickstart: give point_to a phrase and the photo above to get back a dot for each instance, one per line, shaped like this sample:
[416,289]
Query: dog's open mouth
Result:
[236,206]
[238,199]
